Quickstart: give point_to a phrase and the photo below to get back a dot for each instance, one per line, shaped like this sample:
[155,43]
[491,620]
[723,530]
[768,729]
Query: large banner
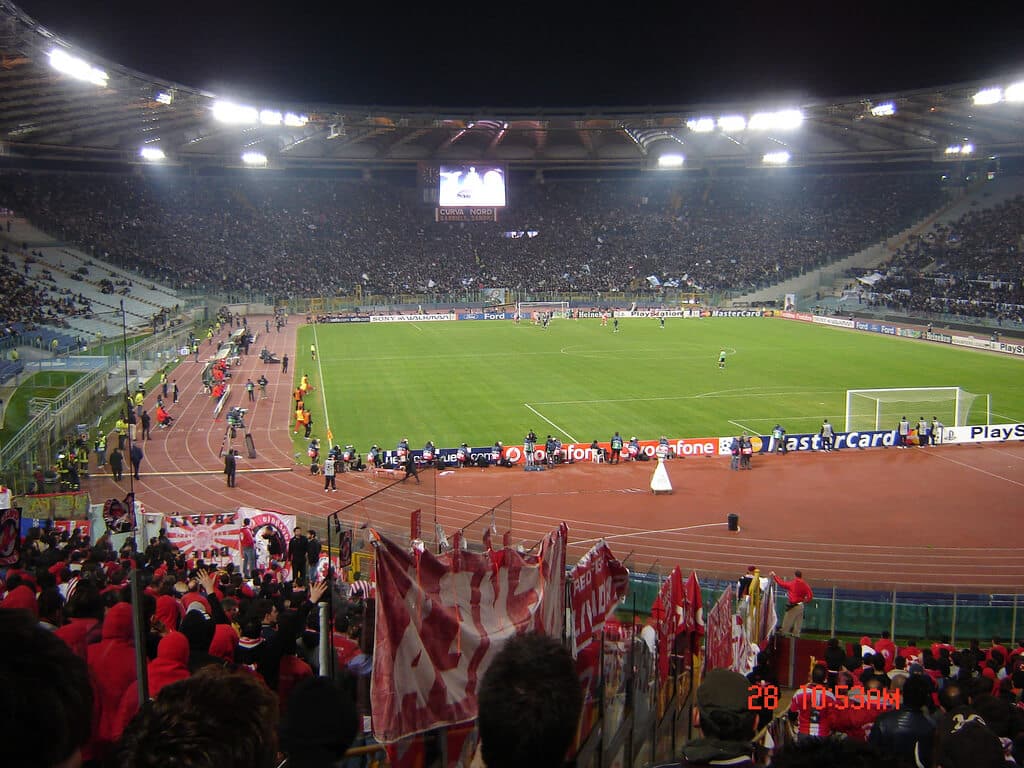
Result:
[598,583]
[838,322]
[718,652]
[214,537]
[812,442]
[990,433]
[441,618]
[415,318]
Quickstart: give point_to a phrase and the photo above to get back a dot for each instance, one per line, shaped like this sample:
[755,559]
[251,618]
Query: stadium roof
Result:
[89,108]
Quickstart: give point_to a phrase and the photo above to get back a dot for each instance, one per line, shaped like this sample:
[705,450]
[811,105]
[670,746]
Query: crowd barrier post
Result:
[325,631]
[832,621]
[1013,624]
[892,620]
[952,634]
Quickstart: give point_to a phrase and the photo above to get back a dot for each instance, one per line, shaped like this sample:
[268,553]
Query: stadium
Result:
[475,348]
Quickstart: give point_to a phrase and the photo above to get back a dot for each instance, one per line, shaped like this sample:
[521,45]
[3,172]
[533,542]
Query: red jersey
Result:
[797,590]
[245,538]
[815,708]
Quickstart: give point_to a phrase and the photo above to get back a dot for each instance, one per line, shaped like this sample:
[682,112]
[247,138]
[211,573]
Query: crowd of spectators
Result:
[970,267]
[35,302]
[304,237]
[198,621]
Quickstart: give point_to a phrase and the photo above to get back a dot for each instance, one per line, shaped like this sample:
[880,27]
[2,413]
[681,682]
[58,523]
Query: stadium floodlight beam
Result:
[883,110]
[164,98]
[77,68]
[226,112]
[671,160]
[775,158]
[295,121]
[783,120]
[701,124]
[254,158]
[988,96]
[270,117]
[1015,92]
[732,123]
[153,154]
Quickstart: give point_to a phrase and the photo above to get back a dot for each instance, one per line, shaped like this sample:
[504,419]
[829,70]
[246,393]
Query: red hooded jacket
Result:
[112,669]
[169,666]
[79,634]
[21,598]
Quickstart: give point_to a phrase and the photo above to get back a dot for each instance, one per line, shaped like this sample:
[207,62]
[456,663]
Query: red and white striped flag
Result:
[442,618]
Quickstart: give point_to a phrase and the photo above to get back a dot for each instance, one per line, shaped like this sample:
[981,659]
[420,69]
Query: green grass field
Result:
[491,380]
[47,385]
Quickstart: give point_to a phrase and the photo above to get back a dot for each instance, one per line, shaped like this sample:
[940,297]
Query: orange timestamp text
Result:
[766,697]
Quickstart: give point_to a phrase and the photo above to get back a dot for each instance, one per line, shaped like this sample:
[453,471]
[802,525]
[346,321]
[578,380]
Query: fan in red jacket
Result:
[112,669]
[814,706]
[169,666]
[21,598]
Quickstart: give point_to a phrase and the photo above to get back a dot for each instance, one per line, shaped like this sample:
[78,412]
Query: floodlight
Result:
[164,98]
[786,119]
[295,121]
[988,96]
[967,149]
[883,110]
[953,150]
[1014,92]
[701,124]
[77,68]
[270,117]
[732,123]
[671,160]
[254,158]
[153,154]
[775,158]
[226,112]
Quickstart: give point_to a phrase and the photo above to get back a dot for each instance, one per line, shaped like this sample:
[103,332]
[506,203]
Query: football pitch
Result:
[481,381]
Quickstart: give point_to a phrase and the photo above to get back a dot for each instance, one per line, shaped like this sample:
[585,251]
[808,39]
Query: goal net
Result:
[874,409]
[532,310]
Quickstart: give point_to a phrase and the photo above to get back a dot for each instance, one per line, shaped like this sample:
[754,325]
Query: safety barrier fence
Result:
[904,609]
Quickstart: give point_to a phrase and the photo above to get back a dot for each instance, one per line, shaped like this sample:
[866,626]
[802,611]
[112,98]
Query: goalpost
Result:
[874,409]
[528,310]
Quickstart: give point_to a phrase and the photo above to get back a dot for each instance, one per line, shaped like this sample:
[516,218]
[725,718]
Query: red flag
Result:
[598,583]
[693,618]
[416,525]
[671,599]
[440,622]
[718,650]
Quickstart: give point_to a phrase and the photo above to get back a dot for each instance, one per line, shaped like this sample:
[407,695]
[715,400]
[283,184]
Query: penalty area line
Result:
[549,421]
[744,427]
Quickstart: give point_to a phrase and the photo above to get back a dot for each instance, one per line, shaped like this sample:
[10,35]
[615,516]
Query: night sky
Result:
[480,54]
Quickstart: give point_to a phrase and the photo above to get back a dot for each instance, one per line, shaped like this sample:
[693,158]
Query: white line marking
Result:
[686,397]
[549,421]
[323,389]
[990,447]
[1009,419]
[976,469]
[417,327]
[744,427]
[646,533]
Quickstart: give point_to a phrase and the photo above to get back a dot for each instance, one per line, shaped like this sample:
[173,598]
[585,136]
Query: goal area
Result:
[530,310]
[875,409]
